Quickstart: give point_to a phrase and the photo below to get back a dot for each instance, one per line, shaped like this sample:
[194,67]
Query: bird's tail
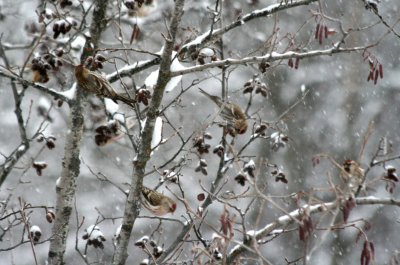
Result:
[216,99]
[129,101]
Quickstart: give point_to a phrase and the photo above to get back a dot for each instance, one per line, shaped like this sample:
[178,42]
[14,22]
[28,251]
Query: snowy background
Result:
[332,119]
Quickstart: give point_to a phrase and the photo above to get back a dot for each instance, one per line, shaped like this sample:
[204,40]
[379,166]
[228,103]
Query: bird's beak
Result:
[173,208]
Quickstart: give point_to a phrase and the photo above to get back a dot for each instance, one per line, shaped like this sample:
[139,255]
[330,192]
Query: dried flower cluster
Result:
[108,133]
[256,85]
[202,167]
[149,246]
[35,233]
[200,144]
[94,236]
[63,26]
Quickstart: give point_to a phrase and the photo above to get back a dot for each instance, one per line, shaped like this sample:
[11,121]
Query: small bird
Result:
[353,174]
[231,113]
[94,83]
[157,203]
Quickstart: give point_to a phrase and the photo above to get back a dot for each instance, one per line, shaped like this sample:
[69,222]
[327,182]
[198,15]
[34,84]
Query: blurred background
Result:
[332,119]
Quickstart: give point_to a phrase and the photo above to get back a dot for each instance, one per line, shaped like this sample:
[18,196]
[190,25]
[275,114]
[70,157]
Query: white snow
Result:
[119,117]
[78,43]
[175,66]
[207,52]
[21,148]
[169,174]
[145,261]
[58,182]
[70,93]
[44,103]
[250,164]
[111,106]
[143,239]
[91,228]
[118,231]
[34,229]
[303,88]
[251,233]
[95,234]
[151,80]
[40,163]
[127,69]
[215,235]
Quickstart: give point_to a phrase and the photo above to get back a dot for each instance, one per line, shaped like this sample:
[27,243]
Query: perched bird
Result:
[157,203]
[94,83]
[231,113]
[353,174]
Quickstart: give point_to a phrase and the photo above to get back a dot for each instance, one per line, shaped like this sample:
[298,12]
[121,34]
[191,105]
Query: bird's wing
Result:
[237,112]
[103,85]
[151,197]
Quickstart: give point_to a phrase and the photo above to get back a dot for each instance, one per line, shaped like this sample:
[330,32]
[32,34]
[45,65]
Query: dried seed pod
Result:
[157,251]
[391,174]
[135,33]
[153,243]
[263,66]
[260,128]
[249,168]
[317,31]
[201,60]
[290,62]
[201,197]
[207,136]
[203,163]
[142,242]
[296,64]
[241,179]
[94,236]
[39,166]
[100,58]
[376,76]
[219,150]
[370,76]
[50,216]
[50,144]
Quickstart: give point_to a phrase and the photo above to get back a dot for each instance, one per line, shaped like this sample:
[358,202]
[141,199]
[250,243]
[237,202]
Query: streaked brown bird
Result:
[94,83]
[353,174]
[231,113]
[157,203]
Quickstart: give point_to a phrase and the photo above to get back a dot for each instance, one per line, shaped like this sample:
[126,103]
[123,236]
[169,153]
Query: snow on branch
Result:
[294,215]
[270,57]
[132,69]
[24,82]
[208,36]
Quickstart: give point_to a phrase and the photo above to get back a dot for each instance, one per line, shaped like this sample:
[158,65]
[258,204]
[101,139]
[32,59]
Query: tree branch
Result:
[66,185]
[270,57]
[215,34]
[132,207]
[294,215]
